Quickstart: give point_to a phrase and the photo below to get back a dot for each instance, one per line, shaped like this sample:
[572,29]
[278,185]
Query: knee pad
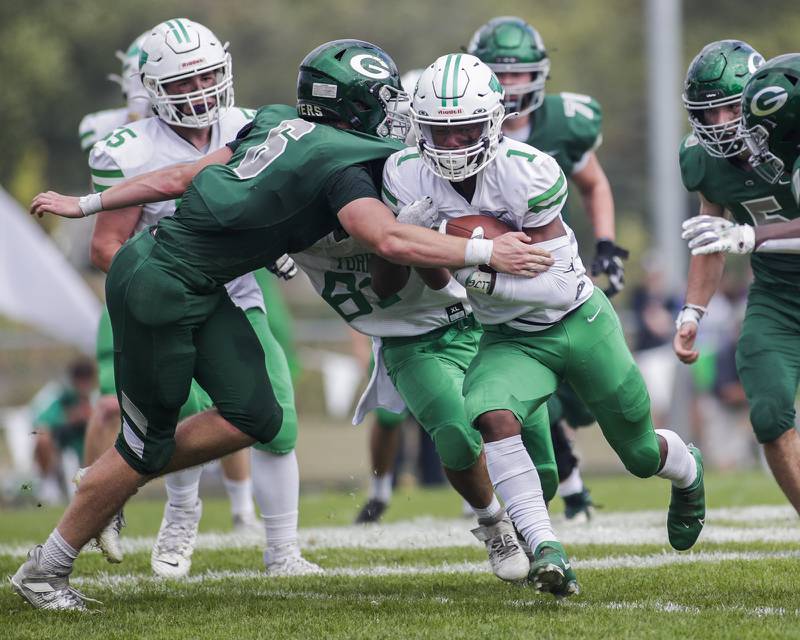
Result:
[770,418]
[641,457]
[458,446]
[260,418]
[286,440]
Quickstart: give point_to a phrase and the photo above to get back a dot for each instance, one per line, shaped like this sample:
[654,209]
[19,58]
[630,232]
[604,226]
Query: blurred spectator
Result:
[654,311]
[60,412]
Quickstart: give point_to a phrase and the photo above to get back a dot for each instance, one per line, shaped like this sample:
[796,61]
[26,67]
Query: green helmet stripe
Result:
[444,80]
[183,29]
[175,32]
[455,79]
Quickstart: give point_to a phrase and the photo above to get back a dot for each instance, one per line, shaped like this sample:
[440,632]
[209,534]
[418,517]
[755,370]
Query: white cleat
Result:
[172,551]
[506,557]
[44,589]
[248,525]
[286,561]
[108,541]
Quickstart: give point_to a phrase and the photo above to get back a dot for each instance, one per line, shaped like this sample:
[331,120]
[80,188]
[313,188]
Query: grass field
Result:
[422,575]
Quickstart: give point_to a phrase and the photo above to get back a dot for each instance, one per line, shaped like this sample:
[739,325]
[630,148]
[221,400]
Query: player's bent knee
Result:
[260,419]
[771,418]
[457,446]
[642,458]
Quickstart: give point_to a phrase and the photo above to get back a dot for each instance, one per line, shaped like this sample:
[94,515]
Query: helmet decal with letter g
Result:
[355,83]
[457,114]
[130,81]
[510,45]
[716,78]
[179,50]
[771,117]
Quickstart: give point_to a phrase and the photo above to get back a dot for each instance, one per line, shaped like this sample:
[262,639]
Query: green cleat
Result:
[687,509]
[551,571]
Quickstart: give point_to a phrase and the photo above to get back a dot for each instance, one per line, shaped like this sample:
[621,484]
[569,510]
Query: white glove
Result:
[284,267]
[712,234]
[422,213]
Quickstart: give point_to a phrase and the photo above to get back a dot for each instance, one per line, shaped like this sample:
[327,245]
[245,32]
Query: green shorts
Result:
[768,359]
[171,323]
[519,371]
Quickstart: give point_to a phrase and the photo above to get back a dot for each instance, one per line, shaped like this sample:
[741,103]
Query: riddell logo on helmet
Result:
[192,63]
[450,112]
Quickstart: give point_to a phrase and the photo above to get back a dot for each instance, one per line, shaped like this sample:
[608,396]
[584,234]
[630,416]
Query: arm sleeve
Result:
[546,193]
[555,288]
[105,172]
[233,145]
[348,184]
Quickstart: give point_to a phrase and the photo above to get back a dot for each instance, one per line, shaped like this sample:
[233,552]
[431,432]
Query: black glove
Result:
[608,259]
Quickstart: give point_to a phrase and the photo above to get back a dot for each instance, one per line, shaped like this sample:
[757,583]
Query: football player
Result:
[744,144]
[537,331]
[567,127]
[187,74]
[171,315]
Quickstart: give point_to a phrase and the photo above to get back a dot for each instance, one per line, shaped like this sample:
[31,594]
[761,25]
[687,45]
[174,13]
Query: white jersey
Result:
[523,187]
[150,144]
[96,126]
[339,272]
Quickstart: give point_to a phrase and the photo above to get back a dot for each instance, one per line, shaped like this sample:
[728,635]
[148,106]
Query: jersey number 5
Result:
[763,210]
[259,157]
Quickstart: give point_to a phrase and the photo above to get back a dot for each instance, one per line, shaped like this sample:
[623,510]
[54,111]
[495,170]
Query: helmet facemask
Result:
[721,140]
[765,163]
[525,97]
[396,104]
[457,164]
[197,109]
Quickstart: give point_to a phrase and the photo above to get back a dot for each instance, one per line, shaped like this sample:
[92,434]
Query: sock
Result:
[240,494]
[276,485]
[515,480]
[490,515]
[572,485]
[380,487]
[680,465]
[183,488]
[58,555]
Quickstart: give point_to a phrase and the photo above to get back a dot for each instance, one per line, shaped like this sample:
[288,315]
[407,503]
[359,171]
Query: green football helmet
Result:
[510,45]
[716,78]
[355,83]
[771,116]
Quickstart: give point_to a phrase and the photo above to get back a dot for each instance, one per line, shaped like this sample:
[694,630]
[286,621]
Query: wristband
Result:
[690,313]
[478,251]
[90,204]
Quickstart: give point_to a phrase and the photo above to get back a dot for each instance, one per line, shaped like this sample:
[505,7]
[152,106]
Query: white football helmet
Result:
[457,93]
[130,81]
[178,49]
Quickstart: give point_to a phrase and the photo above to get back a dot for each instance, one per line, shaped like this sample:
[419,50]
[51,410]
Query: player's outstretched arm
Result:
[155,186]
[370,222]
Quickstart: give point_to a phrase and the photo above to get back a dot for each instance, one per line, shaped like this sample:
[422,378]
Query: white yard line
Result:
[763,524]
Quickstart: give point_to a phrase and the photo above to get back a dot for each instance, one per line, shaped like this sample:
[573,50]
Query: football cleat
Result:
[172,551]
[44,589]
[371,512]
[506,557]
[108,540]
[551,571]
[579,506]
[687,509]
[286,561]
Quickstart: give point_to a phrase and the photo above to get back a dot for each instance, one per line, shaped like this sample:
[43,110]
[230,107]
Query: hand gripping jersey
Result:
[150,144]
[96,126]
[270,198]
[750,200]
[339,272]
[523,187]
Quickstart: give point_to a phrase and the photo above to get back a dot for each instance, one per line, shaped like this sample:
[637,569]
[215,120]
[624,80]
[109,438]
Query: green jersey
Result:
[567,127]
[272,197]
[750,200]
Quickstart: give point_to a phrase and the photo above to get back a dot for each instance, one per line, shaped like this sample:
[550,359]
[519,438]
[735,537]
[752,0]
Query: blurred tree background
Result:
[58,54]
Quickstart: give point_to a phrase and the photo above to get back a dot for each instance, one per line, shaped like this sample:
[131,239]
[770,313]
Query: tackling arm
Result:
[111,231]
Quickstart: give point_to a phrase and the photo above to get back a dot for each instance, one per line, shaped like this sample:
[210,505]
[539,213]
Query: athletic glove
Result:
[284,267]
[713,234]
[422,213]
[608,259]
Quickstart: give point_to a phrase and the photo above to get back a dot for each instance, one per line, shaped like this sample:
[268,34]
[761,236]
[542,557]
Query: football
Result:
[464,226]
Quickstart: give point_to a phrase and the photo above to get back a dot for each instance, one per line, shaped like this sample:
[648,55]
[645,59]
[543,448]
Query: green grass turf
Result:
[732,599]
